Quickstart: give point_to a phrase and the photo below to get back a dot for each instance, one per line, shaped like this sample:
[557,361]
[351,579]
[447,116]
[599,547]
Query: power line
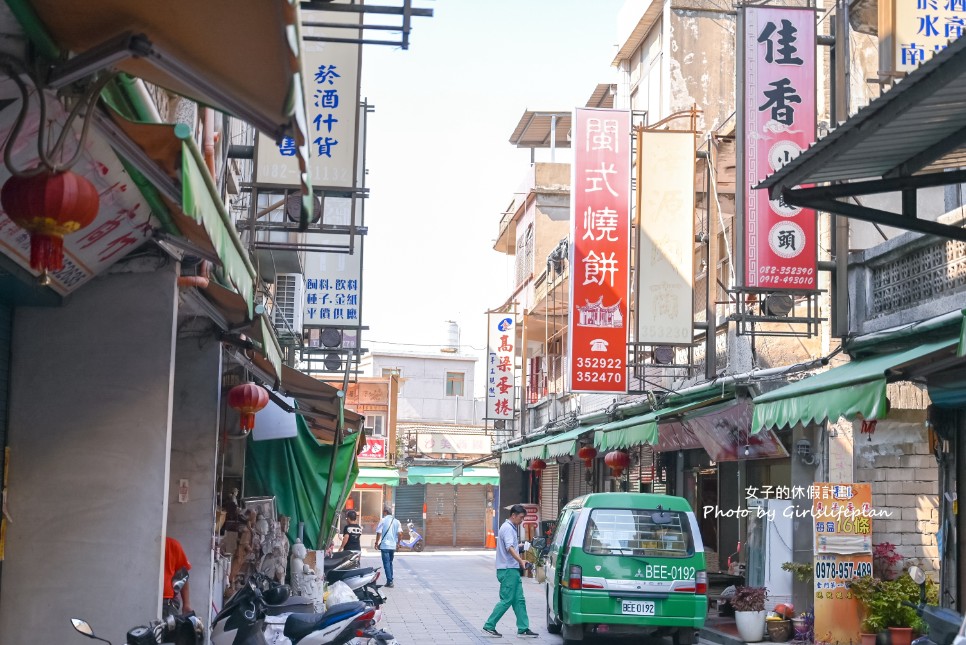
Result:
[388,342]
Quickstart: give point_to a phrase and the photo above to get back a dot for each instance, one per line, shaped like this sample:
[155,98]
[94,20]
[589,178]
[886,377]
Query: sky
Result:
[441,168]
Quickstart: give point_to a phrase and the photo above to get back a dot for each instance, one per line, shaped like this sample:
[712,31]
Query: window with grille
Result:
[625,531]
[524,256]
[454,384]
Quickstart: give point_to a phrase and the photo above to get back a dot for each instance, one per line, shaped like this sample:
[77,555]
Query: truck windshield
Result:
[649,533]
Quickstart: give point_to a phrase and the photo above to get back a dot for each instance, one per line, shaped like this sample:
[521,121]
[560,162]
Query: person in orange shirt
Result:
[174,561]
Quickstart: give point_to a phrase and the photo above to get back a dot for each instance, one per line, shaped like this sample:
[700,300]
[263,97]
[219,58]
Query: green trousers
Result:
[511,595]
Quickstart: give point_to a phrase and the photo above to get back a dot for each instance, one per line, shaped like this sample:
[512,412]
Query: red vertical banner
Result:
[781,241]
[600,198]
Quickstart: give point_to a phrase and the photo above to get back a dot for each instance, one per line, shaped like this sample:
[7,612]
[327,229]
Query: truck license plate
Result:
[637,607]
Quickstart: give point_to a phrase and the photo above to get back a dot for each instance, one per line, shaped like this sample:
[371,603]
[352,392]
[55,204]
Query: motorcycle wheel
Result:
[418,547]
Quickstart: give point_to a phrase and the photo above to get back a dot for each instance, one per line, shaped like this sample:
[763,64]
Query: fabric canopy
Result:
[565,443]
[858,387]
[633,431]
[511,456]
[531,451]
[444,475]
[379,476]
[296,472]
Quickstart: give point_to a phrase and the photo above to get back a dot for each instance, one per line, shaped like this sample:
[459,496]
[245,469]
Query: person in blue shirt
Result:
[387,538]
[509,566]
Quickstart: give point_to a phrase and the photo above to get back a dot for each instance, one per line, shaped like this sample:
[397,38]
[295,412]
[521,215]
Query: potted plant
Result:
[886,608]
[749,604]
[864,588]
[886,562]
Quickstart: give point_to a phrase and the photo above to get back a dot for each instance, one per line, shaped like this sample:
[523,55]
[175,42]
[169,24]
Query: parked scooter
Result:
[242,621]
[179,630]
[943,624]
[415,541]
[362,581]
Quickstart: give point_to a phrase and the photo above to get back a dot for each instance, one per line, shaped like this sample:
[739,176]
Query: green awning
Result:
[511,456]
[381,476]
[858,387]
[296,472]
[531,451]
[625,433]
[444,475]
[565,443]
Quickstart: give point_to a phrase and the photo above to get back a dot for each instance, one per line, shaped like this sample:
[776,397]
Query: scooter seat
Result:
[341,574]
[298,626]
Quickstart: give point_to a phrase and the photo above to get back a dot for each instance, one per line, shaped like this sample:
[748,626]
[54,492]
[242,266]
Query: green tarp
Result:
[858,387]
[531,451]
[296,472]
[511,456]
[444,475]
[382,476]
[565,443]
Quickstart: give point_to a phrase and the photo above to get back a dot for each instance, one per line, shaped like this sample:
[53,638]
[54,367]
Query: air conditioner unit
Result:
[289,299]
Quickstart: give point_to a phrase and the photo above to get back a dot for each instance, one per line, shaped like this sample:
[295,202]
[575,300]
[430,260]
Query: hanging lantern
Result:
[537,465]
[587,453]
[248,399]
[49,205]
[617,461]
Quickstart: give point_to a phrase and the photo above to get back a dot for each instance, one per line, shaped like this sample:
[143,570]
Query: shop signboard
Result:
[500,360]
[842,519]
[600,251]
[375,448]
[921,29]
[330,79]
[777,122]
[665,264]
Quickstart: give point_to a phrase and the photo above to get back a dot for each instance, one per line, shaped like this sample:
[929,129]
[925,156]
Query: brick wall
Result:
[905,480]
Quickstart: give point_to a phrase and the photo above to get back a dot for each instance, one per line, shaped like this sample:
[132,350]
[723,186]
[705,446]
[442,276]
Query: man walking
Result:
[508,567]
[387,537]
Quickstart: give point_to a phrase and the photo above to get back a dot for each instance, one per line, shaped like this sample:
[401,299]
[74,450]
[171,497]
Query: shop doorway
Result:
[368,503]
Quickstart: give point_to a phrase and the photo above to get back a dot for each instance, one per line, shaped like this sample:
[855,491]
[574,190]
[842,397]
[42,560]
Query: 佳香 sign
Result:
[780,241]
[600,196]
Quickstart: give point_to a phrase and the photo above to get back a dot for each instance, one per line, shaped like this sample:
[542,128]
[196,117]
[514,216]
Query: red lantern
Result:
[248,399]
[587,454]
[617,461]
[537,465]
[50,206]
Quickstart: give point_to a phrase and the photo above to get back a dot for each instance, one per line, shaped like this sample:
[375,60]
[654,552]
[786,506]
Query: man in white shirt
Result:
[509,564]
[387,538]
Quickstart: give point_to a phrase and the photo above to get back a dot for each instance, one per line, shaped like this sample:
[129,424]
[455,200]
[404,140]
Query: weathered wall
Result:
[89,437]
[904,475]
[194,443]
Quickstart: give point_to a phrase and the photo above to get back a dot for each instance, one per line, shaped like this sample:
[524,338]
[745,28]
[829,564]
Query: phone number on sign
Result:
[777,279]
[842,570]
[599,377]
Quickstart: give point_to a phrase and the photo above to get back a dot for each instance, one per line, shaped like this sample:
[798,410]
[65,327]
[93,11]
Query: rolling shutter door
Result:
[409,505]
[470,515]
[550,493]
[577,483]
[440,514]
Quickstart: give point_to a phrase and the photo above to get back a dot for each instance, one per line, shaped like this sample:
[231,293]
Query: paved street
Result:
[445,596]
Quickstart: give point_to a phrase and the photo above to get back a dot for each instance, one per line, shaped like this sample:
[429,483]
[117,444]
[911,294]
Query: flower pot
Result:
[779,631]
[751,625]
[868,639]
[901,635]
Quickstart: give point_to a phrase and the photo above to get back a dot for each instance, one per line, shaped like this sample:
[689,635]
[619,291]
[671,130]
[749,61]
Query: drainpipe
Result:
[209,140]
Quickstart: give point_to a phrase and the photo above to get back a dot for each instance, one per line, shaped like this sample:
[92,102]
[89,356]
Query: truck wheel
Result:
[684,636]
[418,547]
[552,626]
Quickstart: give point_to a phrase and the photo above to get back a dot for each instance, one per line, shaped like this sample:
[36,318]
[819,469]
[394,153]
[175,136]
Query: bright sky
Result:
[441,168]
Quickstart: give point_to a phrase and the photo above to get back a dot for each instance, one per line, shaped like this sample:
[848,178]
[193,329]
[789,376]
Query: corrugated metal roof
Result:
[917,126]
[534,129]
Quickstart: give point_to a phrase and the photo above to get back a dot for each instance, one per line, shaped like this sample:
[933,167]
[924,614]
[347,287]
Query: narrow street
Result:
[445,596]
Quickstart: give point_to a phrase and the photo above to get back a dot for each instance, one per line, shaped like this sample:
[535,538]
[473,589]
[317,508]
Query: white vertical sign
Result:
[330,79]
[500,391]
[665,263]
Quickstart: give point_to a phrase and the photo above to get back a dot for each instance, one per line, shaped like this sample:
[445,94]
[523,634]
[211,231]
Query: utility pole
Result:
[841,75]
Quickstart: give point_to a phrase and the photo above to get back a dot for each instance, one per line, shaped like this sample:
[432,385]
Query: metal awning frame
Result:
[406,11]
[940,74]
[131,45]
[826,198]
